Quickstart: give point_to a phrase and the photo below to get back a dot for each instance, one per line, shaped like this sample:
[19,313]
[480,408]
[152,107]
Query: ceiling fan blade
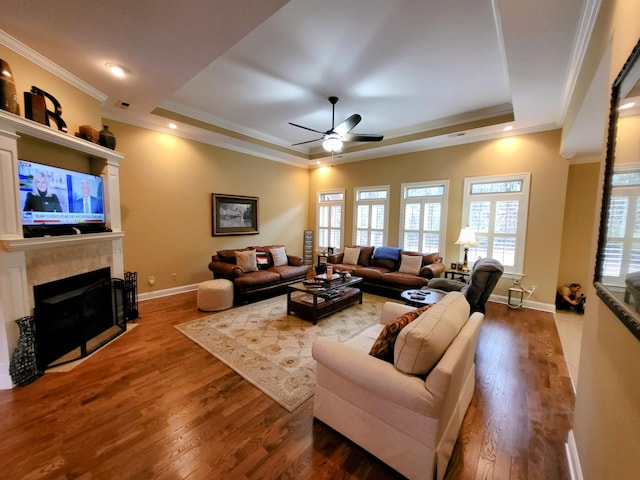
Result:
[306,128]
[362,137]
[308,141]
[348,124]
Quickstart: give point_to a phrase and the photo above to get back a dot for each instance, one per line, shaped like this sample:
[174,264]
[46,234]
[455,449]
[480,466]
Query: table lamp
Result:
[467,238]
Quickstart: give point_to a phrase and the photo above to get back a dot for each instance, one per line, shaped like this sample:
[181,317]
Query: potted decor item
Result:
[23,367]
[107,138]
[8,96]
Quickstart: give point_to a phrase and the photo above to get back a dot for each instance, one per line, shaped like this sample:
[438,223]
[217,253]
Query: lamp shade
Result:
[332,143]
[467,237]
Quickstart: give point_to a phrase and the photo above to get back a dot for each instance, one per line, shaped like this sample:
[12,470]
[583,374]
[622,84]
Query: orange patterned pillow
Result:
[383,346]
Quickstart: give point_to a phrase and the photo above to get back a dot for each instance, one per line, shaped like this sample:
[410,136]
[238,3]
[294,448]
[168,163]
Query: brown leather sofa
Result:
[384,275]
[267,281]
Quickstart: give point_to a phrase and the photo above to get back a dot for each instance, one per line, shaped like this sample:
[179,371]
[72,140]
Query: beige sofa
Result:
[409,421]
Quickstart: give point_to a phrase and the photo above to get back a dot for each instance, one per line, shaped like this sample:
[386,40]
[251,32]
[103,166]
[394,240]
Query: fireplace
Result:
[76,315]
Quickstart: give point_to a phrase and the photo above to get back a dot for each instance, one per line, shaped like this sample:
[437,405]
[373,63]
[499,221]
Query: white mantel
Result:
[25,262]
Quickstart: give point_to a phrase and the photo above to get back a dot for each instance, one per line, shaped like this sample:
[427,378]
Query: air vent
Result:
[122,104]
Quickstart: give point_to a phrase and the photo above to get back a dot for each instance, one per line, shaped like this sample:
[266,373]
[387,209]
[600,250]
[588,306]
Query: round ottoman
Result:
[214,295]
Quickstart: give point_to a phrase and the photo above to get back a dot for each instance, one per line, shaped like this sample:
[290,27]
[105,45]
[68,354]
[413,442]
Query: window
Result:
[330,219]
[423,216]
[370,216]
[496,208]
[622,245]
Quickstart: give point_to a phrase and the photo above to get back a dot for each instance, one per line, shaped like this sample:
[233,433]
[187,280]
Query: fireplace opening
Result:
[77,315]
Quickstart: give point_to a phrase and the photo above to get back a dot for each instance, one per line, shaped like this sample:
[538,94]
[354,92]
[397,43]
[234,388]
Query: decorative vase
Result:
[8,96]
[23,367]
[107,138]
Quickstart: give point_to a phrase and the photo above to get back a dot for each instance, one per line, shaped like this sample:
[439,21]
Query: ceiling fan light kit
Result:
[332,143]
[333,139]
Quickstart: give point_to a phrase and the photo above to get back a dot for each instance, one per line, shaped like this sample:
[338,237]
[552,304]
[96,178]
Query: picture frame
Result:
[234,215]
[454,266]
[330,251]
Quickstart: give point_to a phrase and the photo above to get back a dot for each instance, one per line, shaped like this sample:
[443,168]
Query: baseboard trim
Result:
[545,307]
[6,383]
[575,472]
[166,292]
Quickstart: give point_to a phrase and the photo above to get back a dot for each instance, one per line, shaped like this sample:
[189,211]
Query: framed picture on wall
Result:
[234,215]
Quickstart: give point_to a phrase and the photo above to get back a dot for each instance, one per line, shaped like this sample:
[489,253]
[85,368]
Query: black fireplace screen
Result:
[77,315]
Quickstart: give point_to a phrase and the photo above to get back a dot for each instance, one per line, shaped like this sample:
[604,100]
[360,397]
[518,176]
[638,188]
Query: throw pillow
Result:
[365,256]
[246,260]
[351,255]
[382,348]
[410,264]
[279,256]
[420,344]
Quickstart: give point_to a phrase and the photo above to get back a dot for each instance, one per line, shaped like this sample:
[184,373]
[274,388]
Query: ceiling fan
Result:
[333,139]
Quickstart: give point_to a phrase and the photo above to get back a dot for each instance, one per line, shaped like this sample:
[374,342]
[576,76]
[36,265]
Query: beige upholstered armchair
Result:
[407,412]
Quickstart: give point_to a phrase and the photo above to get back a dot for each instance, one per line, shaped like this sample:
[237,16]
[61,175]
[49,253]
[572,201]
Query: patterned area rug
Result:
[272,350]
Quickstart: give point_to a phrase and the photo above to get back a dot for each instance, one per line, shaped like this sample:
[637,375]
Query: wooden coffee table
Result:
[313,303]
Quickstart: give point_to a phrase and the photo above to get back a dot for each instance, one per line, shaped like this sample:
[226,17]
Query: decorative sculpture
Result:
[36,108]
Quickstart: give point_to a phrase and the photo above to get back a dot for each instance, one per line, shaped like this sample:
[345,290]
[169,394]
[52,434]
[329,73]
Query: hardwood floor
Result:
[154,405]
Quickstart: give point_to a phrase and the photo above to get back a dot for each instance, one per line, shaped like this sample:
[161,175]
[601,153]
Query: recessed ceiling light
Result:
[626,106]
[173,126]
[116,69]
[508,128]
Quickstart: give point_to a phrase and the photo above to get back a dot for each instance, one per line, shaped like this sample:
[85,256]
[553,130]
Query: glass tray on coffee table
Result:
[313,301]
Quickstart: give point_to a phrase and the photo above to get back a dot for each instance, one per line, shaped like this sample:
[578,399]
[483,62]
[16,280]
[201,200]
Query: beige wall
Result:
[628,140]
[579,216]
[166,184]
[535,153]
[606,423]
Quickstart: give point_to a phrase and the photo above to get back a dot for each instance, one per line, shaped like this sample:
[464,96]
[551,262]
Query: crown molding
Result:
[30,54]
[587,21]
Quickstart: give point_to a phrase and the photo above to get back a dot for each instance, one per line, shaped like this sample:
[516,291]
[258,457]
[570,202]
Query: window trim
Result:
[443,212]
[356,203]
[523,214]
[319,204]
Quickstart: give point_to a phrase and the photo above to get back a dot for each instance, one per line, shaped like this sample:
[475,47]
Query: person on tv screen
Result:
[40,200]
[87,203]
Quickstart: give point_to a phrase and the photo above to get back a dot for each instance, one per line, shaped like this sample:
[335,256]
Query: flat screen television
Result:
[56,201]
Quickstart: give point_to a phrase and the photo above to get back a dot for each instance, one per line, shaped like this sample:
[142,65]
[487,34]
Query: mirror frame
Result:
[628,317]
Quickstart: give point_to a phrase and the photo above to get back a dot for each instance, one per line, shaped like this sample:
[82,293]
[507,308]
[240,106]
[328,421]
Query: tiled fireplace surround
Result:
[25,262]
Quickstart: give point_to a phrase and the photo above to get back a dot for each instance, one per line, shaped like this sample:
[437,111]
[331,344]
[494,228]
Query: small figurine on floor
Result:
[567,298]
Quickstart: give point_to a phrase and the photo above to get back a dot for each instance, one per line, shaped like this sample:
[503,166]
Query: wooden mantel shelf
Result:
[25,127]
[36,243]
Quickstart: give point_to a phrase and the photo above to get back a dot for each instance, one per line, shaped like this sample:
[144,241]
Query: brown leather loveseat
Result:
[258,272]
[388,270]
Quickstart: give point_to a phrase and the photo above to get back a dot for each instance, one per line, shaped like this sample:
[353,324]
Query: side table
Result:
[456,275]
[420,298]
